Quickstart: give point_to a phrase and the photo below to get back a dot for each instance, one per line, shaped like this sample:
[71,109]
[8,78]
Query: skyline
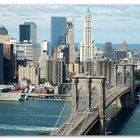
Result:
[114,23]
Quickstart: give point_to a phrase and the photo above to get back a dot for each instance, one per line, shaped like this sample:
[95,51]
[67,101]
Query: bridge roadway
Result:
[82,121]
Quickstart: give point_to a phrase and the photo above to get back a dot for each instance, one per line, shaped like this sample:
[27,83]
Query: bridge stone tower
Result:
[88,83]
[124,76]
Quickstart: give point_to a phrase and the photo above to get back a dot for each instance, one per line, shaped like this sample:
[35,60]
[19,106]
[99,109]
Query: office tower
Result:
[36,55]
[58,52]
[1,63]
[20,56]
[56,71]
[87,46]
[70,42]
[28,72]
[44,46]
[60,71]
[58,32]
[108,51]
[9,63]
[66,54]
[62,51]
[88,67]
[28,31]
[3,30]
[24,33]
[43,59]
[28,50]
[51,70]
[124,47]
[33,32]
[119,54]
[14,42]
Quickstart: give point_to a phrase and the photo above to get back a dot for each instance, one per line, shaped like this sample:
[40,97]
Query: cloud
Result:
[105,17]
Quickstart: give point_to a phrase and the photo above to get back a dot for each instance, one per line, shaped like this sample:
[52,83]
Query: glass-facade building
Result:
[120,55]
[58,32]
[33,32]
[24,32]
[28,31]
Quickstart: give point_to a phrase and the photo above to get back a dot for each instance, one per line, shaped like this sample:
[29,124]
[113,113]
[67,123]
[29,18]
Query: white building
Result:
[44,46]
[43,59]
[29,72]
[28,50]
[87,46]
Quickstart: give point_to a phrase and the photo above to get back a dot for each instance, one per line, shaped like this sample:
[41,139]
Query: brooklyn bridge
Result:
[91,96]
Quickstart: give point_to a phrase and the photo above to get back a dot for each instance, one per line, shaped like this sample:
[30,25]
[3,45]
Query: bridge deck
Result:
[82,121]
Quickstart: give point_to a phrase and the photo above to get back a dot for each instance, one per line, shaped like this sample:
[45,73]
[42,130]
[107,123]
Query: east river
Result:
[37,117]
[30,117]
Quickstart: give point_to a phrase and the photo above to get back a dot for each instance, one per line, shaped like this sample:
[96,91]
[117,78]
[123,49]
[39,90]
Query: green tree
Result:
[42,81]
[51,83]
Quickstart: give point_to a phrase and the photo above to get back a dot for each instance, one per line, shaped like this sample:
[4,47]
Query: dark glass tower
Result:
[28,31]
[58,31]
[24,33]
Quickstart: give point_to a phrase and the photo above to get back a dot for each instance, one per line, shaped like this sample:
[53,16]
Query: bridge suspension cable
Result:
[61,114]
[88,113]
[71,120]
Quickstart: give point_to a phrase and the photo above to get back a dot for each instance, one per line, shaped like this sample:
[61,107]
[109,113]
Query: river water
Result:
[36,117]
[31,117]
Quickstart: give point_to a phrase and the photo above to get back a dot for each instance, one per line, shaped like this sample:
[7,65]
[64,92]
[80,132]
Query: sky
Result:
[114,23]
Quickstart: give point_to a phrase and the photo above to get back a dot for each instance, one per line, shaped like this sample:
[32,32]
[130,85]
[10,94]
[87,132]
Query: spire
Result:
[88,12]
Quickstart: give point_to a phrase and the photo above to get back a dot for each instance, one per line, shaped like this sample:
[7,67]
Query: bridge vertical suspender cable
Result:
[60,114]
[86,119]
[69,121]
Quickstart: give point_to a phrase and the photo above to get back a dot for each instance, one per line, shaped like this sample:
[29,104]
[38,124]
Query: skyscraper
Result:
[28,50]
[33,32]
[108,50]
[9,63]
[24,33]
[4,37]
[60,70]
[70,42]
[58,32]
[43,59]
[87,46]
[28,31]
[3,30]
[124,47]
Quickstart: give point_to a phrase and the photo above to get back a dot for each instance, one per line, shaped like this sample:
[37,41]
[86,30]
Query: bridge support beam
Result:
[102,107]
[124,75]
[132,97]
[115,75]
[74,95]
[89,94]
